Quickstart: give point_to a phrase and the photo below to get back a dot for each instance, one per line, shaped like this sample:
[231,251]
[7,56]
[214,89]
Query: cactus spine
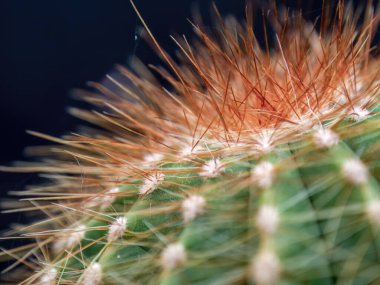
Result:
[256,167]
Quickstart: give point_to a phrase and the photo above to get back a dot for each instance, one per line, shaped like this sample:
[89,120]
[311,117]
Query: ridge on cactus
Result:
[257,166]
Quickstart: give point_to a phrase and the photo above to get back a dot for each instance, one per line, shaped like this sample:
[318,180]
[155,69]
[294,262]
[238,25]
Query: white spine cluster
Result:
[355,171]
[359,113]
[304,122]
[264,141]
[373,212]
[92,275]
[69,240]
[192,207]
[103,201]
[265,268]
[151,183]
[173,256]
[325,138]
[263,174]
[348,89]
[153,159]
[189,150]
[117,229]
[267,219]
[212,168]
[49,277]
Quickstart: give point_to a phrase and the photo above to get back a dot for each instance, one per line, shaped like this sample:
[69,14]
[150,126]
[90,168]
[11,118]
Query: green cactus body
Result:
[265,170]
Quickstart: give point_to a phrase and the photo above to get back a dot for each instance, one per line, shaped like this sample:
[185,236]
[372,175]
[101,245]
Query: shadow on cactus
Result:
[257,166]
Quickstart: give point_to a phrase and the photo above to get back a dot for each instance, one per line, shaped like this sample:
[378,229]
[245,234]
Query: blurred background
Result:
[49,47]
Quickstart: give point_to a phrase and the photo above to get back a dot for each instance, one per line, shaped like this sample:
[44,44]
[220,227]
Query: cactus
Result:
[257,166]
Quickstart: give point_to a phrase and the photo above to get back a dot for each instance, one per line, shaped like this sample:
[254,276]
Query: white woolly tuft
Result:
[212,168]
[373,212]
[152,159]
[265,268]
[263,174]
[267,219]
[264,141]
[189,150]
[304,122]
[151,183]
[192,207]
[355,171]
[92,275]
[67,241]
[325,138]
[350,88]
[49,277]
[173,256]
[359,113]
[117,229]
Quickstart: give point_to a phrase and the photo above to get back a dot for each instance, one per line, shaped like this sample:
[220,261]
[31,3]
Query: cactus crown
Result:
[257,166]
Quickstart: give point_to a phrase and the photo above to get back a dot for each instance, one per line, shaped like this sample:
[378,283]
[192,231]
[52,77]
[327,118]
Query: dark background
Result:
[49,47]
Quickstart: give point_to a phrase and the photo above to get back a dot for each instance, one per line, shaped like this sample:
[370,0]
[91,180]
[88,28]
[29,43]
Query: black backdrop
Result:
[48,47]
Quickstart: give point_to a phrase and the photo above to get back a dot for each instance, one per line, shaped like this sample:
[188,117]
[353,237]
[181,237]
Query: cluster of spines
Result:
[265,266]
[229,163]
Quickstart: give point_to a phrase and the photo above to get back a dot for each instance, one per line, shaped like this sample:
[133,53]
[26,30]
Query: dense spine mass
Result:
[258,166]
